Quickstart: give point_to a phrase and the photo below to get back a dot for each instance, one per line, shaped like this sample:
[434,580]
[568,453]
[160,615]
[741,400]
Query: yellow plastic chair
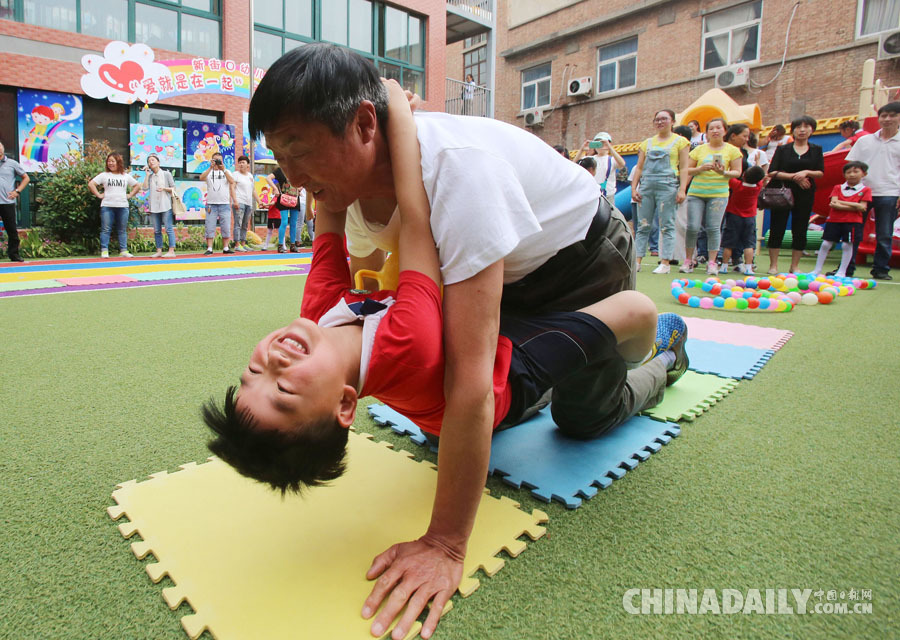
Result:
[387,278]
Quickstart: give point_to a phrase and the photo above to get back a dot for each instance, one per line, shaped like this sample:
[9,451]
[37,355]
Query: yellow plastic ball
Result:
[777,283]
[730,303]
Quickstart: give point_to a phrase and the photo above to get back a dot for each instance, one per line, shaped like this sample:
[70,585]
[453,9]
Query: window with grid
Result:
[536,87]
[475,62]
[392,38]
[877,16]
[617,65]
[732,35]
[190,26]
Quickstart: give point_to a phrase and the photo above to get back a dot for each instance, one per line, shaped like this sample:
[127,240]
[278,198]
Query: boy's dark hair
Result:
[752,141]
[852,125]
[779,129]
[753,175]
[287,461]
[244,158]
[588,162]
[561,150]
[796,122]
[320,83]
[855,164]
[683,130]
[890,107]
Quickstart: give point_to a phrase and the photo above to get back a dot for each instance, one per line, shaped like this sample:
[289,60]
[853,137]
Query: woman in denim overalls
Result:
[658,187]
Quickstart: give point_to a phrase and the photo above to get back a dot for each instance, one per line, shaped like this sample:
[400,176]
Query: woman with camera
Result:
[219,196]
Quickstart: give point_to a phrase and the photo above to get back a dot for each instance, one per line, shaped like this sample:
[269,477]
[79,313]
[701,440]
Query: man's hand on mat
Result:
[411,575]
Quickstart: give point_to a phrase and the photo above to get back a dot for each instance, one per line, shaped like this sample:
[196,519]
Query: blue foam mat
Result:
[535,455]
[726,360]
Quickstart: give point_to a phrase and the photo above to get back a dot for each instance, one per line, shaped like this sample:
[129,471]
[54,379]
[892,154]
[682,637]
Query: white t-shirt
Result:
[115,188]
[883,158]
[217,191]
[757,158]
[630,179]
[243,189]
[496,191]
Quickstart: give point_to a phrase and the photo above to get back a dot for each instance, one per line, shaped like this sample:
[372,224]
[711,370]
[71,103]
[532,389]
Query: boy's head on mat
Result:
[288,422]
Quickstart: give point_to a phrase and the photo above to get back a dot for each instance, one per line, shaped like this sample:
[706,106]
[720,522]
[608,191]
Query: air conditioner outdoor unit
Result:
[534,118]
[889,45]
[581,86]
[735,76]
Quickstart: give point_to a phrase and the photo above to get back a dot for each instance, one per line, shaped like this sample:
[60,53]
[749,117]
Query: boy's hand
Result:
[680,196]
[411,574]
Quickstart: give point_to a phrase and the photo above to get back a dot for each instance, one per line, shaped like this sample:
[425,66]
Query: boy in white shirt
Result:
[245,202]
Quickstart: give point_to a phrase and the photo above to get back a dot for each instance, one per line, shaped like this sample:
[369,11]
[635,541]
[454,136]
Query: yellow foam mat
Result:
[254,565]
[76,272]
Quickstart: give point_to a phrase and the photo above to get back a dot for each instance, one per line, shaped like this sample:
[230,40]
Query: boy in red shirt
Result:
[849,203]
[740,218]
[273,221]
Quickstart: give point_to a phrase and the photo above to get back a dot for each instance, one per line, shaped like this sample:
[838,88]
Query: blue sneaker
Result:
[671,335]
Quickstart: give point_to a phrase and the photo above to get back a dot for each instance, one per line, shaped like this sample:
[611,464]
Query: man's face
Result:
[889,120]
[243,166]
[2,151]
[293,377]
[330,167]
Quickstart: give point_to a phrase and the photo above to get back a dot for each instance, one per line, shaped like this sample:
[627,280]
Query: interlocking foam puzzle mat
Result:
[726,360]
[254,565]
[738,334]
[61,276]
[535,456]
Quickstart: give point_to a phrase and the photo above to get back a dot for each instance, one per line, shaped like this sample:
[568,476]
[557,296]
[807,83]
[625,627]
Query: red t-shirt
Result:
[863,195]
[856,136]
[274,213]
[406,369]
[742,200]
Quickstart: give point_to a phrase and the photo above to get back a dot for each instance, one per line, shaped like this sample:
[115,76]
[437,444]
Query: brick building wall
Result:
[821,76]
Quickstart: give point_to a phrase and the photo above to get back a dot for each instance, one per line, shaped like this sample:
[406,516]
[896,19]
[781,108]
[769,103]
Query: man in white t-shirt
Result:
[219,196]
[516,226]
[881,151]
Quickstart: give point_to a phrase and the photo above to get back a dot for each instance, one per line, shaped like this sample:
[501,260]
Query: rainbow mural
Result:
[49,124]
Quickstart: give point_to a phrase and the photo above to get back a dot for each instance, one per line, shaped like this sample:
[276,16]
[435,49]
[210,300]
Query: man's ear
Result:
[366,121]
[347,407]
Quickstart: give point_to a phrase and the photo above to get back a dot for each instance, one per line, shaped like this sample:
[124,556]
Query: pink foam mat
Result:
[111,279]
[744,335]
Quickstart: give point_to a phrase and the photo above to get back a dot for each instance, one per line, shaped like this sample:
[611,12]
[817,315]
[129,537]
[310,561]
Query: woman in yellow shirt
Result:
[658,185]
[712,165]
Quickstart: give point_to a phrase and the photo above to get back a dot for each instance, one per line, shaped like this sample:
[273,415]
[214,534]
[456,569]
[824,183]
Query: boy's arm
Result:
[416,250]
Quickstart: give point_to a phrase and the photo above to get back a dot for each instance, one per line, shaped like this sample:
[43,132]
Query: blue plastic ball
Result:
[747,294]
[719,302]
[763,303]
[694,302]
[707,286]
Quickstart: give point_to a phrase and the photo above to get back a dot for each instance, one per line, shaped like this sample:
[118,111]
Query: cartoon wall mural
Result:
[263,191]
[166,142]
[260,150]
[49,124]
[203,140]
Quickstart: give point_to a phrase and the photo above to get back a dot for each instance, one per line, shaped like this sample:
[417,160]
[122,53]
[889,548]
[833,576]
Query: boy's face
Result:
[293,377]
[854,175]
[243,166]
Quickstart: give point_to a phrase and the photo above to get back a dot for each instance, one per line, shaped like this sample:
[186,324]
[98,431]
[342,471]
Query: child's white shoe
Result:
[712,269]
[662,268]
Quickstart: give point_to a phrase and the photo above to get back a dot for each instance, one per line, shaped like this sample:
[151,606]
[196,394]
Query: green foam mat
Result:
[693,394]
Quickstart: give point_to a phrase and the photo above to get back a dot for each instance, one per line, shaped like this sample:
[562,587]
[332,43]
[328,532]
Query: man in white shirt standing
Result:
[9,192]
[219,196]
[881,151]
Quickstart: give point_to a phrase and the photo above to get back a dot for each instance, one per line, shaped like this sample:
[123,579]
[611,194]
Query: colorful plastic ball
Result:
[795,297]
[872,284]
[730,303]
[825,297]
[821,279]
[707,286]
[790,283]
[706,303]
[764,303]
[776,282]
[683,298]
[716,289]
[850,289]
[751,282]
[742,304]
[731,282]
[753,303]
[718,303]
[810,299]
[694,302]
[763,283]
[842,291]
[815,285]
[803,283]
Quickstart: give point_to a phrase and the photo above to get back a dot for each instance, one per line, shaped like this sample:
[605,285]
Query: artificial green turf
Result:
[790,482]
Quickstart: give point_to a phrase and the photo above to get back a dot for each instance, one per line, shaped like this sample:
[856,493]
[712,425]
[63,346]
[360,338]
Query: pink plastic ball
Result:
[706,303]
[794,297]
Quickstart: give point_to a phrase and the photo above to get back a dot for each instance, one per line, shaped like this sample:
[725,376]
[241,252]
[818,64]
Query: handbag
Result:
[288,201]
[775,198]
[178,207]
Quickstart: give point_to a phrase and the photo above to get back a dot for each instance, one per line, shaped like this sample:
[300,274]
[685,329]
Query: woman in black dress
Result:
[796,166]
